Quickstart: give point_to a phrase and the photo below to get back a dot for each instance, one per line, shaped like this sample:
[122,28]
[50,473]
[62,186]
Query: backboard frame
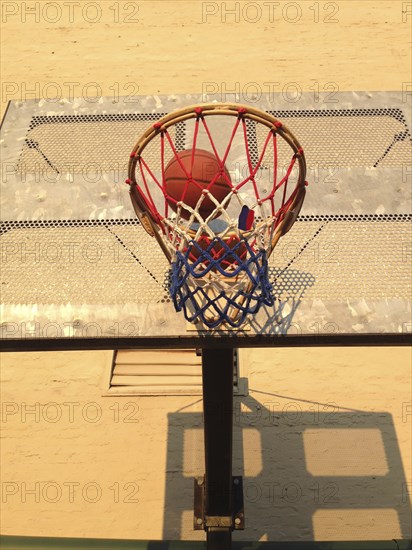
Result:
[364,195]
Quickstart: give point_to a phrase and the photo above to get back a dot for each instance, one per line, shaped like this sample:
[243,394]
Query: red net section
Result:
[221,183]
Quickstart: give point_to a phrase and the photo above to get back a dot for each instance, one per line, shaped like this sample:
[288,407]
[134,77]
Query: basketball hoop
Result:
[218,229]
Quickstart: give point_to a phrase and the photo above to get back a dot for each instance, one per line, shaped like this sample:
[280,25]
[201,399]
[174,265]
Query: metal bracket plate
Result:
[218,521]
[203,522]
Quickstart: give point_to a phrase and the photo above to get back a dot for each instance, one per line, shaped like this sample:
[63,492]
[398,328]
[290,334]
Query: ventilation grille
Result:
[161,372]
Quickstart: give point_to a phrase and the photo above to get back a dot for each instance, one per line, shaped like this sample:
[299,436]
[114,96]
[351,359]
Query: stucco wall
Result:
[322,440]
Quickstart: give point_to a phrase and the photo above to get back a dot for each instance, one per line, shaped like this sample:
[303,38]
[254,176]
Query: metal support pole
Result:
[217,373]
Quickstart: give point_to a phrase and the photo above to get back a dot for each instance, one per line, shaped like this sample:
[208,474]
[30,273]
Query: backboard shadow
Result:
[305,463]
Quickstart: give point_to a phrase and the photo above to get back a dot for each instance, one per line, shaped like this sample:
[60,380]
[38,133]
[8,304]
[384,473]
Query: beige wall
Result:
[322,440]
[140,457]
[177,47]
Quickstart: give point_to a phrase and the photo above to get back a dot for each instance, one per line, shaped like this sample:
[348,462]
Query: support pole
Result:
[217,374]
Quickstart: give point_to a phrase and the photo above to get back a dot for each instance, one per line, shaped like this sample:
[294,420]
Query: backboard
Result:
[79,271]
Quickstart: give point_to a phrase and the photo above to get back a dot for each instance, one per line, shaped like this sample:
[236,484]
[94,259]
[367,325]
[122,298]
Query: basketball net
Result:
[219,260]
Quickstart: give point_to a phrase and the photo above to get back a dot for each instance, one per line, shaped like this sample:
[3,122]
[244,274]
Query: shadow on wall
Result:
[310,471]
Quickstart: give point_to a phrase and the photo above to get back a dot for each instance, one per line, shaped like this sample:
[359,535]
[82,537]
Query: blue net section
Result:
[220,282]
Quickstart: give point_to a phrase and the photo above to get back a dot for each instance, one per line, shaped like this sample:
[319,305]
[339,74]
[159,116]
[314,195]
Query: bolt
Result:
[236,481]
[237,521]
[199,521]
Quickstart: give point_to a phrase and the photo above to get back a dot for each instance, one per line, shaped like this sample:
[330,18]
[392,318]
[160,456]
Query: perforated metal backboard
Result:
[78,270]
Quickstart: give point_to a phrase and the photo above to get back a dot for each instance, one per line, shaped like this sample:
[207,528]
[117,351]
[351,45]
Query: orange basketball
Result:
[186,183]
